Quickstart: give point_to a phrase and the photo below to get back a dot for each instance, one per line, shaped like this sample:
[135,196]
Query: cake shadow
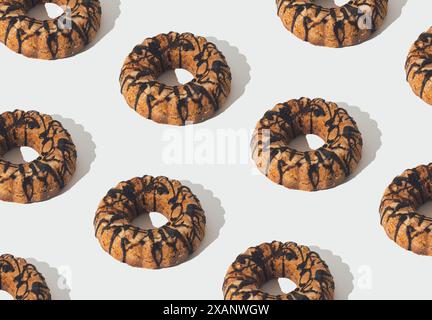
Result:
[303,143]
[426,209]
[171,78]
[15,155]
[240,70]
[215,215]
[273,287]
[394,12]
[110,13]
[326,3]
[57,283]
[85,146]
[371,136]
[343,278]
[43,12]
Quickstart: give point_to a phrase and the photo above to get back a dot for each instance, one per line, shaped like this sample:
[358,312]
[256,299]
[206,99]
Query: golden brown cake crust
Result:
[57,38]
[315,170]
[418,66]
[193,102]
[278,260]
[409,229]
[21,280]
[164,247]
[44,177]
[343,26]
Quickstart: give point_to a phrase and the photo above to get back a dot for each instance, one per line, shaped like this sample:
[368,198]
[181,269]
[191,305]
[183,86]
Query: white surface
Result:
[244,209]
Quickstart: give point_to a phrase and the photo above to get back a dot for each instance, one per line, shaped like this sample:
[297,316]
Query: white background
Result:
[244,209]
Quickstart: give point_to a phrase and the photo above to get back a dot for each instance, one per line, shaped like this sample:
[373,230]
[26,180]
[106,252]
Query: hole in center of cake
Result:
[20,155]
[426,209]
[175,77]
[307,143]
[279,287]
[330,3]
[4,296]
[153,220]
[47,11]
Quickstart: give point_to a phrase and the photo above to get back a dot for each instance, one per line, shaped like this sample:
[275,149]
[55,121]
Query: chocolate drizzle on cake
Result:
[44,177]
[278,260]
[164,247]
[21,280]
[193,102]
[419,66]
[399,217]
[316,170]
[50,39]
[343,26]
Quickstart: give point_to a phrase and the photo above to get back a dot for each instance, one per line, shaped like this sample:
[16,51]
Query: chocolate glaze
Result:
[278,260]
[164,247]
[418,66]
[44,177]
[332,27]
[48,39]
[398,210]
[193,102]
[316,170]
[22,280]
